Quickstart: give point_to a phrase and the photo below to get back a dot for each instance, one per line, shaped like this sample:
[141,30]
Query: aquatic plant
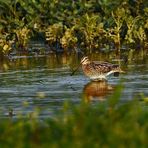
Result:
[69,40]
[53,34]
[89,25]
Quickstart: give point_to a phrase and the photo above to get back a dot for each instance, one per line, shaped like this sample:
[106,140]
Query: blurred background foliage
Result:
[90,25]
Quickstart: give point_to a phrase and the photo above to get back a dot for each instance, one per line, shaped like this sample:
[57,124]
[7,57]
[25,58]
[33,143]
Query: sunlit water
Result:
[45,86]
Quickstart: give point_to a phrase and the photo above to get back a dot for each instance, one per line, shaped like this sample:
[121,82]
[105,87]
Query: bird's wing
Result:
[101,67]
[104,67]
[101,62]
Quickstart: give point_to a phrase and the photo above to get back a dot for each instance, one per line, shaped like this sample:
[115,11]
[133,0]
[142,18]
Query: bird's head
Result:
[85,60]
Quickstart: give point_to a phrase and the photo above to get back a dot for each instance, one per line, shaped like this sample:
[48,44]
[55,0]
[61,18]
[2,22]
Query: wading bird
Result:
[98,71]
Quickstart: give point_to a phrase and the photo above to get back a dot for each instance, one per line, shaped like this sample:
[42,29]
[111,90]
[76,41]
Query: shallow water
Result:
[44,83]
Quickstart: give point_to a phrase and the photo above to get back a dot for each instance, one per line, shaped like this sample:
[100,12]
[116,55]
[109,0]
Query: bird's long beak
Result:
[76,69]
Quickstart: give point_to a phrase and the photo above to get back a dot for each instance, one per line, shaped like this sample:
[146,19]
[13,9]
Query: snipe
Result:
[98,71]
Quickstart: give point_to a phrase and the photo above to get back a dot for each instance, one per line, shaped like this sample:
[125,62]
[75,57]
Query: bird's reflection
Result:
[97,90]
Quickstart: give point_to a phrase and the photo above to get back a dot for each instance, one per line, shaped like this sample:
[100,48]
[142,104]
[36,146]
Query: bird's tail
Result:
[117,69]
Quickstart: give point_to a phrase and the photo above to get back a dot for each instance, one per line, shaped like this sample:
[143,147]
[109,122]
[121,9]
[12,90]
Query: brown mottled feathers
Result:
[103,67]
[97,70]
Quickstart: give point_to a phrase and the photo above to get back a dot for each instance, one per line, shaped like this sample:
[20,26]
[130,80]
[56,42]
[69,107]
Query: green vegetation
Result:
[106,124]
[90,25]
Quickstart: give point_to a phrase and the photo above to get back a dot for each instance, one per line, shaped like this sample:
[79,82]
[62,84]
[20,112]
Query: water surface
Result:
[44,83]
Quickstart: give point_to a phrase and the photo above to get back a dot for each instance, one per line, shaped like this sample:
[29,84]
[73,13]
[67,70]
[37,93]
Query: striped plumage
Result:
[96,70]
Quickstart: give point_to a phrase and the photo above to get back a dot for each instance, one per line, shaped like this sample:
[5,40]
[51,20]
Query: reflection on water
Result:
[43,83]
[97,90]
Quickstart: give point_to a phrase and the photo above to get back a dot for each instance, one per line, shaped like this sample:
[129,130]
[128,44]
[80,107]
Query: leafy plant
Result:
[54,32]
[22,37]
[113,33]
[69,40]
[90,25]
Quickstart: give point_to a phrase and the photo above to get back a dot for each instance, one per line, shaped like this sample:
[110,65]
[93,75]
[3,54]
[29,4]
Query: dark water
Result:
[44,83]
